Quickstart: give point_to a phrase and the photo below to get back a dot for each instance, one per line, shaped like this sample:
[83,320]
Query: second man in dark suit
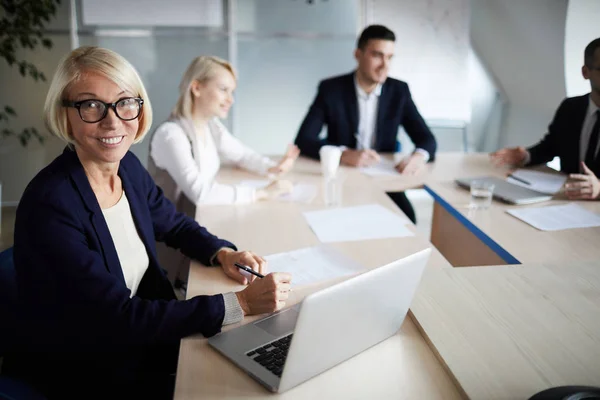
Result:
[573,135]
[363,111]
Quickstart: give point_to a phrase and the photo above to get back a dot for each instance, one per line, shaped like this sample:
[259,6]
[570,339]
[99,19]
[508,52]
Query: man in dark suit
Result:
[363,111]
[572,136]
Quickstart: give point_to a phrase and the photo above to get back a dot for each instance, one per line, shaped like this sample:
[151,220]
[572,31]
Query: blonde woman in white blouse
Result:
[187,151]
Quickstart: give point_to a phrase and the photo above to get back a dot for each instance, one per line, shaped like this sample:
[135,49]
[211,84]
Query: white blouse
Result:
[193,162]
[130,248]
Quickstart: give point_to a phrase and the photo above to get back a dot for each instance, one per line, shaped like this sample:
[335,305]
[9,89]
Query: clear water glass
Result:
[332,191]
[481,195]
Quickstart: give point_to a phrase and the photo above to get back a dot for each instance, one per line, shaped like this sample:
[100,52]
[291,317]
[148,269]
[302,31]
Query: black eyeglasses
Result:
[92,110]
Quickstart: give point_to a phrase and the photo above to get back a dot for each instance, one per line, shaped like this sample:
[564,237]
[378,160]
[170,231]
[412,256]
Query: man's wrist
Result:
[526,159]
[422,153]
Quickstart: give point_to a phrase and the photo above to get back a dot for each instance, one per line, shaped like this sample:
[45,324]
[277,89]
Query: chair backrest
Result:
[8,295]
[13,389]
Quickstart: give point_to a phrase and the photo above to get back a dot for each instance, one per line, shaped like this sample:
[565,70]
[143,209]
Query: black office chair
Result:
[568,393]
[8,294]
[10,389]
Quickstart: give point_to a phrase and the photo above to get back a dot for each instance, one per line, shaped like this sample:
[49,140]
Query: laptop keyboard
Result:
[272,355]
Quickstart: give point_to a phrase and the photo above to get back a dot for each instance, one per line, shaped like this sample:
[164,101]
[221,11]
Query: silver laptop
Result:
[328,327]
[508,192]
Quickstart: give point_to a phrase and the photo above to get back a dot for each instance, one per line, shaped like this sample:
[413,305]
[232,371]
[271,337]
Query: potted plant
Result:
[21,28]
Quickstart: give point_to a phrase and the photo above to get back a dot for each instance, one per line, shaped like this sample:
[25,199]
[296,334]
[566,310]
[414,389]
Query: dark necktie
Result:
[590,154]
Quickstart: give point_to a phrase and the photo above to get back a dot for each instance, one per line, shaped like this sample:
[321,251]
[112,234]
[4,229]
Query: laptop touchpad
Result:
[280,324]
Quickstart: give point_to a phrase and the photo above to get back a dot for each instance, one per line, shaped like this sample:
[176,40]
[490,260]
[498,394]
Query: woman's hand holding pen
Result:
[262,295]
[265,295]
[228,257]
[274,190]
[278,186]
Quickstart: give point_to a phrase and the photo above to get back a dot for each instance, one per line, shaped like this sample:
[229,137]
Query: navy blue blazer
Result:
[563,137]
[336,106]
[73,301]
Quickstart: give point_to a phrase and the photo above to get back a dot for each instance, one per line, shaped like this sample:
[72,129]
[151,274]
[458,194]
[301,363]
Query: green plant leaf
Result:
[23,25]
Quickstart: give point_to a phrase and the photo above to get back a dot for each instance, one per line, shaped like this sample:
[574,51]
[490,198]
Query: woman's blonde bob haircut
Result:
[201,69]
[73,67]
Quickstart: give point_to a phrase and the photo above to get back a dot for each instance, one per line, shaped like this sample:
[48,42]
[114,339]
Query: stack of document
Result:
[301,193]
[384,167]
[370,221]
[313,264]
[543,182]
[554,218]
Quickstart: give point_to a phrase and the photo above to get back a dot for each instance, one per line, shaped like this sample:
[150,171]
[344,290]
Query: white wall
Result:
[432,45]
[582,27]
[522,43]
[487,105]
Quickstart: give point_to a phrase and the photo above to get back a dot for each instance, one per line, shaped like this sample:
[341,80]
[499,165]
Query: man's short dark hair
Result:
[590,50]
[374,32]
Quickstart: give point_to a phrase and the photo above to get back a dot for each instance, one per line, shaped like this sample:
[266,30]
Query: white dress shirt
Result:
[368,104]
[586,130]
[368,107]
[193,161]
[130,248]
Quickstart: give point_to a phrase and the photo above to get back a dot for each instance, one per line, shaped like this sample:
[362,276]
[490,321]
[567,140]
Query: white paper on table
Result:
[542,182]
[554,218]
[313,264]
[255,183]
[384,167]
[301,193]
[370,221]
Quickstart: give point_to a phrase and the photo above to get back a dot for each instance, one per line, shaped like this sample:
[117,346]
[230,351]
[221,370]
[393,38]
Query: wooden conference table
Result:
[411,363]
[509,332]
[491,237]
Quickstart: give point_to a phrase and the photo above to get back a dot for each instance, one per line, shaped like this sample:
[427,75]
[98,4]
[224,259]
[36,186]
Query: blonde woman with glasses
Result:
[186,152]
[97,315]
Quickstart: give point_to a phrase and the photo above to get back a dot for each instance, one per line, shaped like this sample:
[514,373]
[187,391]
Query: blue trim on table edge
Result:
[495,247]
